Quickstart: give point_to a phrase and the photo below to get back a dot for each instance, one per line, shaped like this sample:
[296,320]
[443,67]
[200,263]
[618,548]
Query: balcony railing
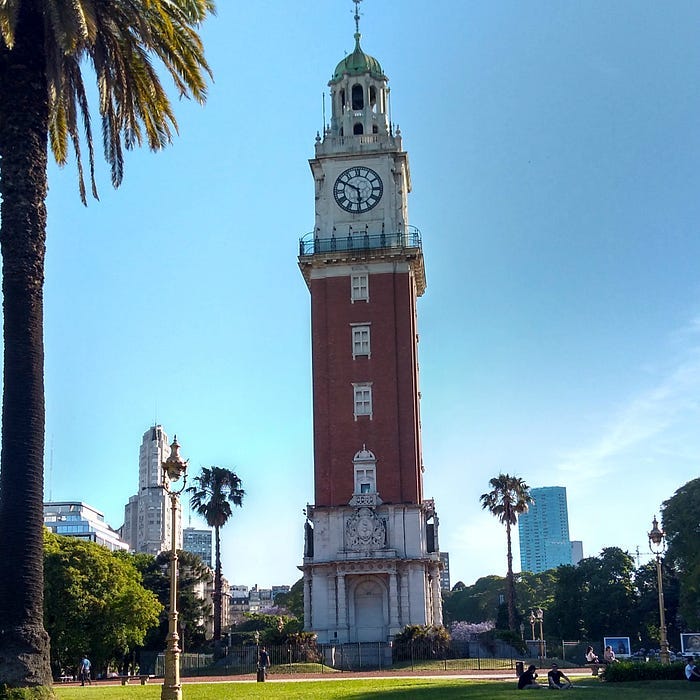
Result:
[311,244]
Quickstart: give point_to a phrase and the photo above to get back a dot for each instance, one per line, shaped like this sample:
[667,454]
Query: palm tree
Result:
[216,489]
[45,45]
[508,498]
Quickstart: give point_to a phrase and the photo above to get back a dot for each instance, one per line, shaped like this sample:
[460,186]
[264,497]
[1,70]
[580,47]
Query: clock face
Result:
[358,189]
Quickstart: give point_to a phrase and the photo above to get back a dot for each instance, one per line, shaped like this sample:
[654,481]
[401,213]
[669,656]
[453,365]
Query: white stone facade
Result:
[371,572]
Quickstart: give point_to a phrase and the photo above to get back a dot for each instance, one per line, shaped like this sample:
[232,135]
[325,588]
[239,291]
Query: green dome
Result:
[358,63]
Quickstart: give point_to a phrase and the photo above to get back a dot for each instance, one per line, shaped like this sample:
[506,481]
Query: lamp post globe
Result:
[174,468]
[657,545]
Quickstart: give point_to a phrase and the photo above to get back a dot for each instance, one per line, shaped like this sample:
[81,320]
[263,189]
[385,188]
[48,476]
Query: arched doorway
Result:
[370,608]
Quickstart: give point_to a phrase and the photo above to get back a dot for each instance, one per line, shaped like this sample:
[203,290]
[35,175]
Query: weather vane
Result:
[357,15]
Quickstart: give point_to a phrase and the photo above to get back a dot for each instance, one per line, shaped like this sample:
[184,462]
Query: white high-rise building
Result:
[147,515]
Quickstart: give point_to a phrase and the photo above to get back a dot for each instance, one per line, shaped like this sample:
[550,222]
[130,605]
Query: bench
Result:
[142,678]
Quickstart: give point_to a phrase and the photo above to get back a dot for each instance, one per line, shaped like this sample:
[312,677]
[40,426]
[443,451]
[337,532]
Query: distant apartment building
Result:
[544,531]
[147,515]
[276,590]
[78,519]
[199,542]
[445,571]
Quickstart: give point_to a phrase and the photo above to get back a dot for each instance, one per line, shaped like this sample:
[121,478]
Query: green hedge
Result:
[650,671]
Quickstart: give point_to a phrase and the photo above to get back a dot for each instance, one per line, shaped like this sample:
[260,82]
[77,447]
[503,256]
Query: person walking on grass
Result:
[84,674]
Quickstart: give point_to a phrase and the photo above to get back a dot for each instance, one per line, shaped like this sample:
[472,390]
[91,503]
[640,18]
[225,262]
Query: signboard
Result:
[690,643]
[620,645]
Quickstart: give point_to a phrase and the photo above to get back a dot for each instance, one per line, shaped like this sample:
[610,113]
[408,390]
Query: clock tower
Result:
[371,560]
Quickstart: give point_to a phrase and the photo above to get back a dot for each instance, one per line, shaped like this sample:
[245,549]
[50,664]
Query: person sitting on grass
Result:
[527,679]
[691,670]
[557,679]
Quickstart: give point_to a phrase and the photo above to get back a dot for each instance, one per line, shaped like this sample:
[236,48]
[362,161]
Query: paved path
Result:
[502,675]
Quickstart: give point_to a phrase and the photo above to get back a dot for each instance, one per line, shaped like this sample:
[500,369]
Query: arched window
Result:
[365,464]
[358,97]
[358,129]
[342,100]
[373,98]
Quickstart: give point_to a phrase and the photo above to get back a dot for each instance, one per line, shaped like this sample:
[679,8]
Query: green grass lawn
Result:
[380,689]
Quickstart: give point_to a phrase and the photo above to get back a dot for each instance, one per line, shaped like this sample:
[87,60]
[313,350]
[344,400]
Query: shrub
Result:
[651,671]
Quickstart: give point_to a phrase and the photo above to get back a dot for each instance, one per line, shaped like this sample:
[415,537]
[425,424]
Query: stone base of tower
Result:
[370,570]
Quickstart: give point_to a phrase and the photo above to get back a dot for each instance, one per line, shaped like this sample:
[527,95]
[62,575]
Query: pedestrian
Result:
[557,679]
[263,660]
[84,673]
[527,680]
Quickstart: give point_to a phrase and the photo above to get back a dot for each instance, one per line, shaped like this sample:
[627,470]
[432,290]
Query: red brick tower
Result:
[371,563]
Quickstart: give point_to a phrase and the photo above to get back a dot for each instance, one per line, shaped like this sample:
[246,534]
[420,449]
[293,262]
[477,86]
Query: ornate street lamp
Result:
[173,469]
[532,624]
[657,545]
[539,616]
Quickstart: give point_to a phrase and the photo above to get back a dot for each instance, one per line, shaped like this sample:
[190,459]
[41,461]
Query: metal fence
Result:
[358,656]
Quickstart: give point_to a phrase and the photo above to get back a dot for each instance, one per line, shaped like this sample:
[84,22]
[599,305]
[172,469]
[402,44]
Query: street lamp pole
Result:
[173,468]
[532,625]
[657,544]
[540,618]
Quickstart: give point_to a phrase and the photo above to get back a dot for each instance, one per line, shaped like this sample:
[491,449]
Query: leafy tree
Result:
[681,522]
[476,603]
[293,601]
[45,45]
[508,498]
[272,629]
[215,490]
[646,583]
[193,610]
[94,602]
[596,598]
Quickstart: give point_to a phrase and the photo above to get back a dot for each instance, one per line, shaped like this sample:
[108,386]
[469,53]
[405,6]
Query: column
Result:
[405,600]
[342,604]
[437,595]
[307,600]
[393,602]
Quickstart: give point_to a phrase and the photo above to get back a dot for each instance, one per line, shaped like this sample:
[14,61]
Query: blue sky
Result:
[554,150]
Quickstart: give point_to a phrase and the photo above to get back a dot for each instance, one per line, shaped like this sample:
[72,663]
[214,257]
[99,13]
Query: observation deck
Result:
[363,246]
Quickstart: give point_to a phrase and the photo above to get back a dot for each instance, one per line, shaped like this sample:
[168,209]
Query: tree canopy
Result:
[681,523]
[95,603]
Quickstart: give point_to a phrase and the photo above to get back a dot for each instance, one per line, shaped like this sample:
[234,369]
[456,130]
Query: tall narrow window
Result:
[362,397]
[359,287]
[358,97]
[365,465]
[360,341]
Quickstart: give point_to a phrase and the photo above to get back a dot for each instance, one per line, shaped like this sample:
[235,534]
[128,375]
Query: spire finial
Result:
[357,15]
[358,36]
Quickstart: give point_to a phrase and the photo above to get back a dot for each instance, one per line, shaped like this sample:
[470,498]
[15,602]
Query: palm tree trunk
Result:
[510,582]
[217,586]
[24,644]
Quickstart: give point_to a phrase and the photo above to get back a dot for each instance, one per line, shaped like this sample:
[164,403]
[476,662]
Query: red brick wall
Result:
[392,433]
